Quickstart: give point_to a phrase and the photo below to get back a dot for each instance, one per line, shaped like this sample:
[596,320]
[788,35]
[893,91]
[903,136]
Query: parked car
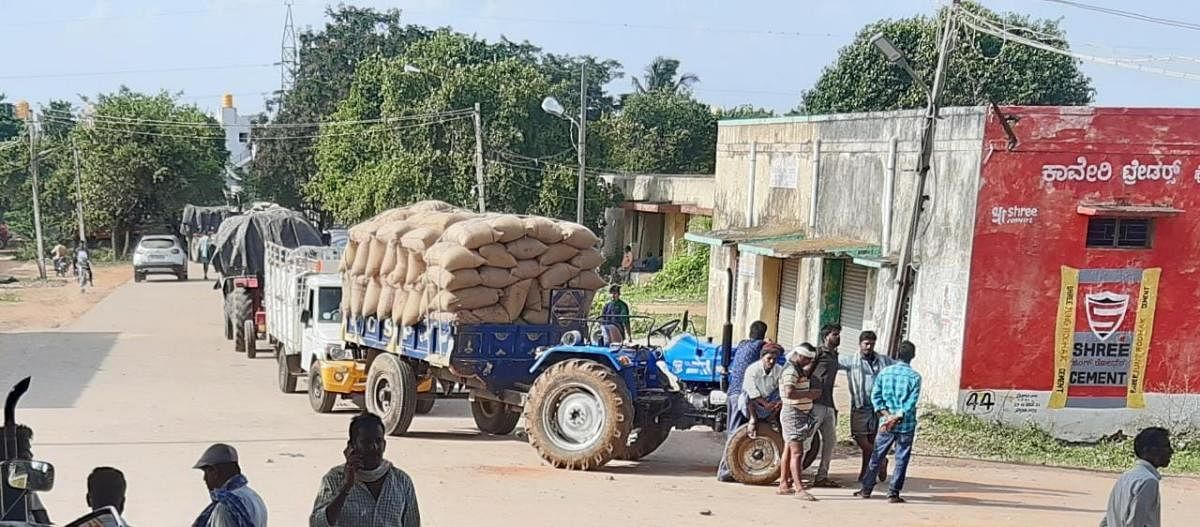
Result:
[159,254]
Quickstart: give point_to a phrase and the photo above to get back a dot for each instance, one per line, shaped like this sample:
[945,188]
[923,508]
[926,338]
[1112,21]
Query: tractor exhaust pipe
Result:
[727,332]
[10,419]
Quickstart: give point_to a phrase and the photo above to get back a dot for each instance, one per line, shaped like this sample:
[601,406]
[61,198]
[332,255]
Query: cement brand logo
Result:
[1105,312]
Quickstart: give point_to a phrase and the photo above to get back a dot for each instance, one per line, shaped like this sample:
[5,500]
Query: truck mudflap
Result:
[344,376]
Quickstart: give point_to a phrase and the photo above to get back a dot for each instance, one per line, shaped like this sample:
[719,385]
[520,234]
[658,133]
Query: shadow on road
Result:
[950,492]
[62,364]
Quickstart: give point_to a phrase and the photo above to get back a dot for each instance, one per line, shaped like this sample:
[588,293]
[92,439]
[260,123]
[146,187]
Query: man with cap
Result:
[796,418]
[234,503]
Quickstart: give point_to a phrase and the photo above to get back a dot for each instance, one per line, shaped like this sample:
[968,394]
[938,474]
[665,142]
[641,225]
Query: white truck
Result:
[303,299]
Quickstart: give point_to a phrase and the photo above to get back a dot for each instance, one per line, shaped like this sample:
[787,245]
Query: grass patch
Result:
[944,433]
[8,296]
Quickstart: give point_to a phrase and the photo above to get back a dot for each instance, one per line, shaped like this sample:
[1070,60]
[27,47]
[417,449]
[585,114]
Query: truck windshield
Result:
[329,305]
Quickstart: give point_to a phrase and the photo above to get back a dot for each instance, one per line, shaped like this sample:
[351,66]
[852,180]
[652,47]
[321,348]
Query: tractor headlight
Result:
[718,398]
[571,338]
[336,352]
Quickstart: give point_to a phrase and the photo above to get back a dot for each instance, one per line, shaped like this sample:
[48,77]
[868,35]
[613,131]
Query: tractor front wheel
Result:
[579,414]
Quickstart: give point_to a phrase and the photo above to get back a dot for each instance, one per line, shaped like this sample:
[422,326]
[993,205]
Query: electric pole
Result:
[582,142]
[479,158]
[904,269]
[25,113]
[288,54]
[79,193]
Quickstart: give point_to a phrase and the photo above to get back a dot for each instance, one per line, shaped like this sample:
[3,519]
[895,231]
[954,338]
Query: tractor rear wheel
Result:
[493,417]
[643,441]
[392,392]
[579,414]
[240,309]
[755,461]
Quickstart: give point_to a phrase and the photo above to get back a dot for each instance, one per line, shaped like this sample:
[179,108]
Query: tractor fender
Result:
[555,354]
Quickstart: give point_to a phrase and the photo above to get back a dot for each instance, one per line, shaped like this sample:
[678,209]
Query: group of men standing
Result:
[799,389]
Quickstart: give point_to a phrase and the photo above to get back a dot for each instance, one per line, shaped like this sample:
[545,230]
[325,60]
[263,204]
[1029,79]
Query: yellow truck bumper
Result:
[343,376]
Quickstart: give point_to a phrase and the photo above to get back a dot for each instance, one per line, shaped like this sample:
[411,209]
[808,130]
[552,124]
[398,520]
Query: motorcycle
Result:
[60,267]
[20,477]
[83,271]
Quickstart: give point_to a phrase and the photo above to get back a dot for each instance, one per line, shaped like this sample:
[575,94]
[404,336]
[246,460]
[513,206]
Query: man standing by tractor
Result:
[746,352]
[861,370]
[824,373]
[796,419]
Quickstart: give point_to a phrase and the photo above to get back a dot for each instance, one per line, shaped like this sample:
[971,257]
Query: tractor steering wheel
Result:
[668,328]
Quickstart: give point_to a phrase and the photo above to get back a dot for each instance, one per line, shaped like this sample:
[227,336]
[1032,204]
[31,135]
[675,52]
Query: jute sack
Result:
[396,277]
[587,259]
[387,298]
[497,256]
[515,295]
[430,205]
[493,314]
[347,261]
[544,230]
[419,239]
[371,297]
[398,300]
[589,280]
[413,306]
[389,260]
[453,280]
[361,258]
[578,236]
[533,299]
[358,289]
[472,233]
[507,227]
[527,269]
[557,275]
[415,269]
[525,248]
[496,277]
[536,317]
[452,257]
[469,298]
[559,252]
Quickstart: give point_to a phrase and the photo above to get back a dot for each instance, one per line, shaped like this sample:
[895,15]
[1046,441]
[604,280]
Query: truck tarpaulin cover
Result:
[199,220]
[241,240]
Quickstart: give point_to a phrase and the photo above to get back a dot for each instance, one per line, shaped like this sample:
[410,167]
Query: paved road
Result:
[145,381]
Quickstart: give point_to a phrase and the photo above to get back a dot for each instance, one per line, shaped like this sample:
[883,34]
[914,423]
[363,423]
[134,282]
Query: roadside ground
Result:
[31,303]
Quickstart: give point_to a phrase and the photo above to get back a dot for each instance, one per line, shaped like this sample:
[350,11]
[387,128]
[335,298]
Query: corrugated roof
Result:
[789,248]
[741,234]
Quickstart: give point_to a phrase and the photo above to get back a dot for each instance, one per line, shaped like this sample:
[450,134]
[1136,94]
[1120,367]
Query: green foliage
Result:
[140,174]
[744,111]
[944,433]
[660,132]
[980,67]
[663,75]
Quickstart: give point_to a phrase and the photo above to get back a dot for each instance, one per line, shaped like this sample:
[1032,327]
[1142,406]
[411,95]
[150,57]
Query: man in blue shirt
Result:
[745,354]
[894,397]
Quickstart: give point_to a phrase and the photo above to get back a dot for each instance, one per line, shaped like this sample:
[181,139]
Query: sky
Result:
[759,52]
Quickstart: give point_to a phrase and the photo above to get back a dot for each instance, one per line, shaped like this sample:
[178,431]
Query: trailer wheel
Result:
[643,441]
[251,344]
[228,327]
[287,381]
[425,406]
[492,417]
[755,461]
[579,414]
[240,309]
[392,392]
[322,401]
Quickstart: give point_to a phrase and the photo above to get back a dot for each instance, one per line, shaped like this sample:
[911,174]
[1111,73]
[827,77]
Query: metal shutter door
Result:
[789,290]
[854,303]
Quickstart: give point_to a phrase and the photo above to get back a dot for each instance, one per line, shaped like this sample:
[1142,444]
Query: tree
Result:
[981,67]
[661,132]
[663,75]
[138,172]
[744,111]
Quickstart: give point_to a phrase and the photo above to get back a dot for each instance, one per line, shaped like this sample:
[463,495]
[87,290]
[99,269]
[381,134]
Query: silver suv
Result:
[159,254]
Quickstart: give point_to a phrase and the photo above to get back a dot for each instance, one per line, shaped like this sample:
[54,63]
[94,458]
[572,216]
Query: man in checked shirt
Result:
[894,396]
[367,491]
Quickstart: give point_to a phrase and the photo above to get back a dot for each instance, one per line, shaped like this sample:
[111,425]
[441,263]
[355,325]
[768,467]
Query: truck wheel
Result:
[138,277]
[425,406]
[392,392]
[287,381]
[228,328]
[578,415]
[322,401]
[492,417]
[240,309]
[755,461]
[644,440]
[251,344]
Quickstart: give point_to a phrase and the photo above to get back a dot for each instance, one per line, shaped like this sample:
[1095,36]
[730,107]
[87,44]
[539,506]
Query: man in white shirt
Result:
[1134,501]
[761,383]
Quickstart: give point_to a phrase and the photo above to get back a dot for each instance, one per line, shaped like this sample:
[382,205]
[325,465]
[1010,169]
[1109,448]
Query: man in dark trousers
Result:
[861,370]
[746,352]
[894,397]
[616,312]
[824,374]
[1135,499]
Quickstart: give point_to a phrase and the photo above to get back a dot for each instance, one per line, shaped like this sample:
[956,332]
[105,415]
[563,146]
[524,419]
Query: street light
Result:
[551,106]
[896,57]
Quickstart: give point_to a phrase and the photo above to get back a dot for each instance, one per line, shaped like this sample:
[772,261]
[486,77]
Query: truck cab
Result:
[331,368]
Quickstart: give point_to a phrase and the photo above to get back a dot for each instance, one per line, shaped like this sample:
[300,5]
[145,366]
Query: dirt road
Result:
[23,304]
[144,382]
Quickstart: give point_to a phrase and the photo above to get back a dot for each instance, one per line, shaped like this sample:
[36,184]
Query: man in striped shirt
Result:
[894,397]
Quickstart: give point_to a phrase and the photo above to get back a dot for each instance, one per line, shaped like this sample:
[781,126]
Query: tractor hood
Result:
[692,359]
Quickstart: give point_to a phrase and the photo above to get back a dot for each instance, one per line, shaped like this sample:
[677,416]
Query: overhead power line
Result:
[135,71]
[120,120]
[1129,14]
[216,135]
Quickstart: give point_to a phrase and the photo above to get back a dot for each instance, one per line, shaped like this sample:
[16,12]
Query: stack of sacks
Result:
[432,260]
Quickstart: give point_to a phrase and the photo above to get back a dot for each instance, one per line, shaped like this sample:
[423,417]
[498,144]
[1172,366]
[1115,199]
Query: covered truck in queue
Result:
[241,246]
[499,304]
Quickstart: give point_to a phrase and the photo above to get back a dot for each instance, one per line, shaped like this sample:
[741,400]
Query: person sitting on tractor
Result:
[760,387]
[616,312]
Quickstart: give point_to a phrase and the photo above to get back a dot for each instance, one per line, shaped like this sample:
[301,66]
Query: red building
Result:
[1082,307]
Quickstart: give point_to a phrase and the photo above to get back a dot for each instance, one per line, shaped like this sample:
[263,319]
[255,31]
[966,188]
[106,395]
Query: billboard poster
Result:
[1102,337]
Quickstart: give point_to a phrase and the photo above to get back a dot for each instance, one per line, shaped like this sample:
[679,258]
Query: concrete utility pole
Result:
[582,142]
[25,113]
[79,192]
[904,269]
[479,159]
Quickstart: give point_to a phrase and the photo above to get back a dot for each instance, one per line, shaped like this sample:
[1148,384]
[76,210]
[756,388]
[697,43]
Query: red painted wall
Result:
[1015,264]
